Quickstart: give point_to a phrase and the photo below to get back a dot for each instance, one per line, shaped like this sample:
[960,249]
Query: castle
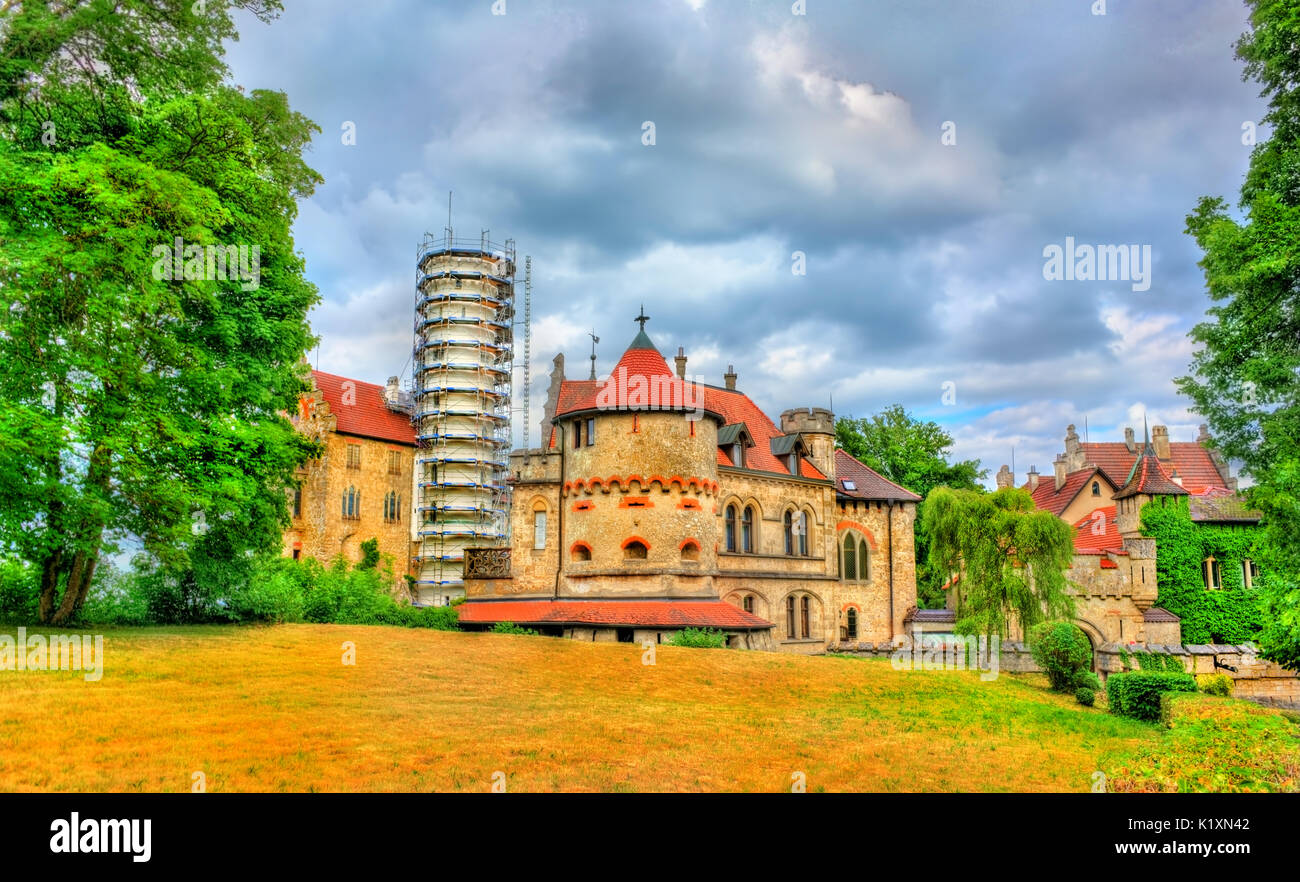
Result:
[658,503]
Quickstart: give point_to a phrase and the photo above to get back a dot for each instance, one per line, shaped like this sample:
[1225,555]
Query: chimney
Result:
[1073,450]
[1160,441]
[391,391]
[1005,478]
[1033,478]
[1204,434]
[1129,442]
[730,377]
[681,362]
[1060,470]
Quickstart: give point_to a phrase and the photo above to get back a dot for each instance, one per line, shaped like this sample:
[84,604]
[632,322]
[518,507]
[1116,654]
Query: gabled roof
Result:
[735,433]
[614,613]
[1148,476]
[784,445]
[1048,498]
[1190,459]
[866,482]
[366,414]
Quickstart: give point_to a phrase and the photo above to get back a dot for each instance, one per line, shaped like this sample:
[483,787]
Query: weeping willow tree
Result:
[1009,559]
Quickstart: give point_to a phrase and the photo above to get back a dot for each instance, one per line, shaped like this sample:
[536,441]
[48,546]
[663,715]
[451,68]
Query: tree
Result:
[1245,380]
[913,454]
[134,399]
[1010,557]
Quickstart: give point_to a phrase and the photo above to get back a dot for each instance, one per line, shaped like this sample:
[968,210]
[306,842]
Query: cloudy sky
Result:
[776,133]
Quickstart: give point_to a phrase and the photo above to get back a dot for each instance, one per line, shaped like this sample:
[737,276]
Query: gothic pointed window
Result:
[849,569]
[731,527]
[747,530]
[802,523]
[789,617]
[804,617]
[851,622]
[787,527]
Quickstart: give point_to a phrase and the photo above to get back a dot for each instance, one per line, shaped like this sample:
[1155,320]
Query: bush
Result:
[276,591]
[1084,695]
[19,592]
[1062,650]
[699,638]
[1215,684]
[512,628]
[1088,680]
[113,599]
[1138,694]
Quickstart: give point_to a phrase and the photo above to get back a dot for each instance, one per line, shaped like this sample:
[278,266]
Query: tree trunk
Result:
[49,584]
[83,569]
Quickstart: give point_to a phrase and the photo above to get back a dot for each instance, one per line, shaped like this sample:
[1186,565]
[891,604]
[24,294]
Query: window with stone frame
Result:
[394,462]
[730,524]
[354,456]
[352,504]
[1212,574]
[747,523]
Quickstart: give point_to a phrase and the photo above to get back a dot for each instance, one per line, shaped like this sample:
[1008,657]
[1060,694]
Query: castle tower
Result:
[817,426]
[640,482]
[462,368]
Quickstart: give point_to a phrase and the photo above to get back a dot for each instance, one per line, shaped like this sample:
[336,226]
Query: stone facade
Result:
[361,486]
[646,505]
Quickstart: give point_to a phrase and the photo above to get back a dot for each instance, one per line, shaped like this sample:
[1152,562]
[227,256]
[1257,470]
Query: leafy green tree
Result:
[1011,558]
[914,454]
[1246,376]
[133,403]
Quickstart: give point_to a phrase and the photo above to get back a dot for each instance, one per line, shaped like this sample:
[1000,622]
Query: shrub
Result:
[113,599]
[1088,680]
[511,628]
[1137,694]
[19,592]
[1062,650]
[275,592]
[1084,695]
[1215,684]
[699,638]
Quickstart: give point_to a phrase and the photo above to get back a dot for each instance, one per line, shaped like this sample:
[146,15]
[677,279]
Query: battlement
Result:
[810,420]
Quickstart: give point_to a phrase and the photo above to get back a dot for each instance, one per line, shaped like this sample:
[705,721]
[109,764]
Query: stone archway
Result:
[1094,635]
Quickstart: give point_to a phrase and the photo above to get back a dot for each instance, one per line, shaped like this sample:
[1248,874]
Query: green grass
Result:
[274,709]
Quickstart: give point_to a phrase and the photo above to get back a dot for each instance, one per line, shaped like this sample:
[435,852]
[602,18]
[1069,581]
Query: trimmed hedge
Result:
[1138,694]
[1215,684]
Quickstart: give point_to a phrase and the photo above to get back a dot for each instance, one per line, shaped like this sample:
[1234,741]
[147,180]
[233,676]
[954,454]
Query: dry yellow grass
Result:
[274,709]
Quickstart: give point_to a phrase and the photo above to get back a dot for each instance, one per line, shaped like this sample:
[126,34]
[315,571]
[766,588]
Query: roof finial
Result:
[642,318]
[594,341]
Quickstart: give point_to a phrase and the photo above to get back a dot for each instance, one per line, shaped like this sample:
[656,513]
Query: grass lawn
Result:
[275,709]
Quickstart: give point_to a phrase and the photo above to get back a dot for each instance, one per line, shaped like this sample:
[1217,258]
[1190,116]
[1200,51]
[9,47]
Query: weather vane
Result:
[642,318]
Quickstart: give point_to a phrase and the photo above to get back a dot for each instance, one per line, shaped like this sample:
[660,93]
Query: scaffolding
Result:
[463,366]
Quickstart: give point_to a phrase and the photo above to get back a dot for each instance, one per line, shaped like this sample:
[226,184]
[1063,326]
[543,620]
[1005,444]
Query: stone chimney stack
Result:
[1203,435]
[1005,478]
[391,391]
[1073,450]
[1033,478]
[1129,441]
[681,362]
[730,377]
[1060,469]
[1160,441]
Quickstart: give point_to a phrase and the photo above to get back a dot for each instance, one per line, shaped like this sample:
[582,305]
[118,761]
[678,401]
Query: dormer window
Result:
[738,455]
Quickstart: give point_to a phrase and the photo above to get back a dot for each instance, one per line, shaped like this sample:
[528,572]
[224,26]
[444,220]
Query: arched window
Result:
[539,528]
[635,550]
[351,504]
[802,523]
[787,527]
[849,568]
[392,508]
[789,617]
[731,527]
[1096,488]
[851,619]
[805,605]
[747,530]
[864,562]
[690,550]
[1212,575]
[580,551]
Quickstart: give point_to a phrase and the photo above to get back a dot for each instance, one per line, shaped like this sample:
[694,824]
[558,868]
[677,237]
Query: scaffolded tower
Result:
[464,305]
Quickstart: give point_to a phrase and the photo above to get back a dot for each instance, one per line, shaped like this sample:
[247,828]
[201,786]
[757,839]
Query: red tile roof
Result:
[642,360]
[1048,498]
[613,613]
[1191,460]
[367,414]
[1149,476]
[1098,532]
[868,483]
